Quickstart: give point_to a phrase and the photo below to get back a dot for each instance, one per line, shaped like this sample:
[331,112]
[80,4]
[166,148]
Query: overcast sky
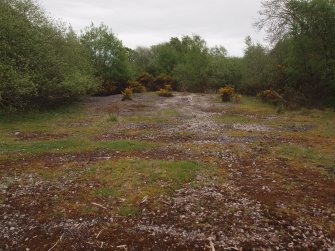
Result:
[148,22]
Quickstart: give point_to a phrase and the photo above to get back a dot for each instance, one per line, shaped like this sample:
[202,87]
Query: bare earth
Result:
[256,199]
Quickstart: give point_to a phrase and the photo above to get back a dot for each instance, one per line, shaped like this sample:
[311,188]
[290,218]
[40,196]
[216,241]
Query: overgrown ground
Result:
[181,173]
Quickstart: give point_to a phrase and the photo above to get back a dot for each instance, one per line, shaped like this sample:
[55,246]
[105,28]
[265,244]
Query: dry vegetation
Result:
[159,173]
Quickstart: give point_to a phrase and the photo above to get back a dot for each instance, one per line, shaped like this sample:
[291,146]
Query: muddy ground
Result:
[255,199]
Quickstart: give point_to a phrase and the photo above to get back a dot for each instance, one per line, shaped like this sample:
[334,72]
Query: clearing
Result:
[180,173]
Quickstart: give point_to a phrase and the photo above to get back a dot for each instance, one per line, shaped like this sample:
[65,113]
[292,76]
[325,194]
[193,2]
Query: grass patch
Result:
[126,145]
[66,145]
[255,105]
[136,178]
[233,119]
[148,118]
[307,153]
[129,211]
[39,119]
[112,118]
[106,191]
[49,174]
[72,145]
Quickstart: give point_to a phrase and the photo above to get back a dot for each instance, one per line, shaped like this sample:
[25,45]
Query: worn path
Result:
[245,194]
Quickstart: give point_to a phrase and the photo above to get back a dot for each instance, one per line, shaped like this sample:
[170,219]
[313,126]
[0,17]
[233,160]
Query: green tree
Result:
[37,58]
[109,56]
[256,68]
[304,33]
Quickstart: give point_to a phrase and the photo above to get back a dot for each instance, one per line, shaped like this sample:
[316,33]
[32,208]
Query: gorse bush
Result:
[166,91]
[41,62]
[136,86]
[227,93]
[271,96]
[127,94]
[161,81]
[147,80]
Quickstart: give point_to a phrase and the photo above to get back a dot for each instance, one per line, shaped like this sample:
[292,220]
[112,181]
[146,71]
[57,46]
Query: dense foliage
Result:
[109,57]
[302,62]
[44,62]
[41,62]
[300,65]
[189,63]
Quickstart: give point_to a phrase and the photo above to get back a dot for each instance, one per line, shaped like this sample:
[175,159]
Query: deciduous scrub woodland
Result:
[173,147]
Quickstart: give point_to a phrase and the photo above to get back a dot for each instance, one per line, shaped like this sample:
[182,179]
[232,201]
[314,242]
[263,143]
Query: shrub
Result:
[107,88]
[127,94]
[162,80]
[165,92]
[41,62]
[237,98]
[227,93]
[146,80]
[271,96]
[136,86]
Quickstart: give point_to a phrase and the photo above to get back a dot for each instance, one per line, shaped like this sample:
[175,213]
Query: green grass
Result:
[125,145]
[106,191]
[307,153]
[38,120]
[112,118]
[128,211]
[133,179]
[234,118]
[73,145]
[254,105]
[65,145]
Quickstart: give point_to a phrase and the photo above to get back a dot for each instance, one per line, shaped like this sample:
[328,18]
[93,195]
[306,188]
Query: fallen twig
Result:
[98,205]
[96,237]
[144,200]
[56,242]
[123,246]
[211,244]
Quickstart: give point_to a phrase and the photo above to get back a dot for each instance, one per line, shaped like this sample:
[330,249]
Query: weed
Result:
[129,211]
[106,191]
[112,118]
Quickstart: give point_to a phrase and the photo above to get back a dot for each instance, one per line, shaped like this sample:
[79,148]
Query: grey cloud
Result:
[147,22]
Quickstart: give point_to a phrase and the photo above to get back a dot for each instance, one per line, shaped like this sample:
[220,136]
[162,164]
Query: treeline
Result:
[45,62]
[300,65]
[41,62]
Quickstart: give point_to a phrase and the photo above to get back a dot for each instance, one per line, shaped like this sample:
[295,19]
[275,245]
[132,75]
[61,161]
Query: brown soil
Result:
[266,202]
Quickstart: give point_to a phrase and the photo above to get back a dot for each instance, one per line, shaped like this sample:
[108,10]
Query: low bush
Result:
[166,91]
[127,94]
[107,88]
[237,98]
[147,80]
[272,97]
[136,86]
[227,93]
[163,80]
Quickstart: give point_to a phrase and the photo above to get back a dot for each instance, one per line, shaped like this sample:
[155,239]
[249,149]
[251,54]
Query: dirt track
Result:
[264,201]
